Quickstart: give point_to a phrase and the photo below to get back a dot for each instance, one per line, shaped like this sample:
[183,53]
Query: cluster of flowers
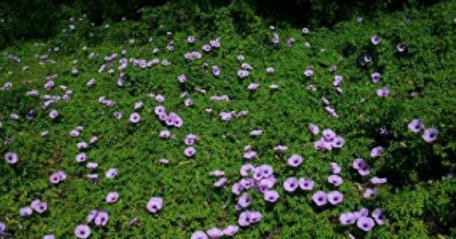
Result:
[245,68]
[37,206]
[227,116]
[189,140]
[215,232]
[171,119]
[329,139]
[362,219]
[107,102]
[429,134]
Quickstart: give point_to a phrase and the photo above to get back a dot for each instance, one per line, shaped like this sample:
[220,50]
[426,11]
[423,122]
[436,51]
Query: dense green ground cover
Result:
[418,199]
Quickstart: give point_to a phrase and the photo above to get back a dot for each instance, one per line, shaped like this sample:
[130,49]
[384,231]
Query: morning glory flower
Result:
[155,204]
[415,125]
[199,235]
[135,118]
[430,135]
[365,223]
[375,40]
[230,230]
[306,184]
[11,158]
[39,206]
[320,198]
[82,231]
[271,196]
[189,151]
[335,180]
[377,151]
[112,197]
[25,211]
[378,216]
[383,92]
[111,173]
[295,160]
[290,184]
[102,218]
[347,218]
[214,233]
[335,197]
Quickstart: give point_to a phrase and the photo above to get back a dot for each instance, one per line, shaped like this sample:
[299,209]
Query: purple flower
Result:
[377,151]
[230,230]
[383,92]
[295,160]
[290,184]
[365,223]
[111,173]
[335,168]
[243,73]
[53,114]
[416,125]
[214,233]
[249,217]
[246,169]
[400,47]
[39,206]
[338,142]
[112,197]
[117,115]
[253,86]
[338,80]
[190,139]
[188,102]
[220,183]
[135,118]
[25,211]
[2,227]
[91,216]
[11,158]
[430,135]
[154,205]
[215,70]
[199,235]
[347,218]
[309,72]
[237,188]
[378,216]
[49,236]
[369,192]
[314,129]
[320,198]
[244,201]
[189,152]
[375,40]
[271,196]
[81,157]
[82,231]
[57,177]
[182,78]
[306,184]
[335,180]
[328,134]
[375,77]
[335,197]
[255,133]
[101,219]
[81,145]
[378,181]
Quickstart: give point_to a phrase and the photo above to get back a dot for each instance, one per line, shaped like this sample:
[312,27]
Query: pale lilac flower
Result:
[92,176]
[111,173]
[271,196]
[347,218]
[159,98]
[135,118]
[188,102]
[338,80]
[401,47]
[335,197]
[253,86]
[270,70]
[335,180]
[230,230]
[11,158]
[39,206]
[375,40]
[247,218]
[377,151]
[314,129]
[154,205]
[82,231]
[92,165]
[165,134]
[320,198]
[2,227]
[365,223]
[246,170]
[338,142]
[92,215]
[74,133]
[255,133]
[237,188]
[189,151]
[378,181]
[280,148]
[375,77]
[249,154]
[275,38]
[290,184]
[243,73]
[82,145]
[112,197]
[217,173]
[101,219]
[383,92]
[430,135]
[335,168]
[49,236]
[53,114]
[191,39]
[199,235]
[117,115]
[190,139]
[25,211]
[369,192]
[306,184]
[416,125]
[138,105]
[214,233]
[182,78]
[220,182]
[93,140]
[81,157]
[378,216]
[295,160]
[216,70]
[309,72]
